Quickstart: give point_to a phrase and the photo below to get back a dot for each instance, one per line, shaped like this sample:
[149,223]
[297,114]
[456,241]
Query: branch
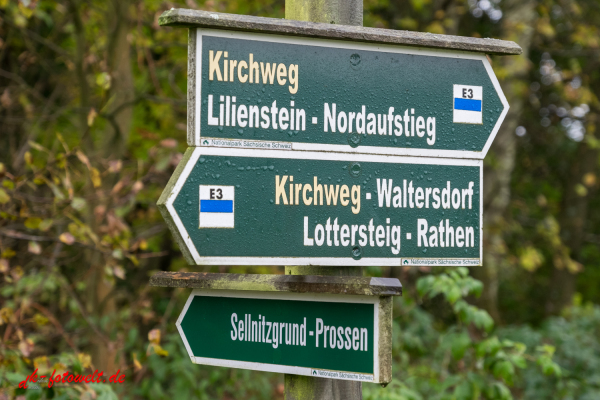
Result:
[18,235]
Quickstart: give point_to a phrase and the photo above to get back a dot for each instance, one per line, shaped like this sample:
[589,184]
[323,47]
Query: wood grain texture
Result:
[204,19]
[349,285]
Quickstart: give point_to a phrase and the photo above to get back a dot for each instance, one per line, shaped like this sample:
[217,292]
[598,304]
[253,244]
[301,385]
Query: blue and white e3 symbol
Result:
[217,206]
[468,104]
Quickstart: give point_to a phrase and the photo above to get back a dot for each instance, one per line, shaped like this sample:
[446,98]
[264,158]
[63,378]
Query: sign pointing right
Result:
[273,92]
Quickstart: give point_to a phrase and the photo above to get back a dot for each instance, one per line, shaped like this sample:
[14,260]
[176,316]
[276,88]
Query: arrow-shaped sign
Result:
[274,207]
[333,327]
[261,91]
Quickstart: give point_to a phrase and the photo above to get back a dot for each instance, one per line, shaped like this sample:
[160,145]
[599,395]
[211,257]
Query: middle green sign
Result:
[269,207]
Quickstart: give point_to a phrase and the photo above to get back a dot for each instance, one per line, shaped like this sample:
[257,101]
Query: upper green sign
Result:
[250,90]
[274,207]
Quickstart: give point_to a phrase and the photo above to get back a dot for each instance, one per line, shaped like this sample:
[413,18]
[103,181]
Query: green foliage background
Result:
[92,125]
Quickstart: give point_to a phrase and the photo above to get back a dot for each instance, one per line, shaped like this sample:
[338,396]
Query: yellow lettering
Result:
[242,77]
[280,189]
[345,193]
[293,78]
[307,201]
[213,65]
[281,73]
[331,195]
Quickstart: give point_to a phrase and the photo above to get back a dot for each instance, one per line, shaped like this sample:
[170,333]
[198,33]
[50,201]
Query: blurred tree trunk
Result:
[573,221]
[517,25]
[119,112]
[79,60]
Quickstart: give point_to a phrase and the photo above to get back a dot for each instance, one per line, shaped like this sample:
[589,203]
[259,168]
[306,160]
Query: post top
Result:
[351,285]
[204,19]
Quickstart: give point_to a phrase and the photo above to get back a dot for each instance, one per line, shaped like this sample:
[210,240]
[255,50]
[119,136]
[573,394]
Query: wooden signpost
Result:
[326,327]
[322,147]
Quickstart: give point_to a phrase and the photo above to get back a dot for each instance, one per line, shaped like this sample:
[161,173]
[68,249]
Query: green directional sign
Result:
[319,335]
[275,207]
[273,92]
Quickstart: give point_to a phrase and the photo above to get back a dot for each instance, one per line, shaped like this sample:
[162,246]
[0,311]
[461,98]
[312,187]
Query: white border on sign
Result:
[364,47]
[285,369]
[305,155]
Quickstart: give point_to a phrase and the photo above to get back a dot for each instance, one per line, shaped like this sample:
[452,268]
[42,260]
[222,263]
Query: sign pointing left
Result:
[268,207]
[330,327]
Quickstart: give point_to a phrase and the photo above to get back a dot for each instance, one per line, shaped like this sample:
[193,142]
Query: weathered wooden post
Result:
[341,12]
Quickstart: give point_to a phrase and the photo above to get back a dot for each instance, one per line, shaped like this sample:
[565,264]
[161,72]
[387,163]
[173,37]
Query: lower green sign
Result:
[323,335]
[276,207]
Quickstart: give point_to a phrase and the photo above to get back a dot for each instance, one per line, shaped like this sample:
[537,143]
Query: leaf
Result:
[84,159]
[504,369]
[160,351]
[519,361]
[96,179]
[78,203]
[581,190]
[103,80]
[589,179]
[91,116]
[57,193]
[28,158]
[6,315]
[453,294]
[118,254]
[33,222]
[459,345]
[547,349]
[4,265]
[85,360]
[169,143]
[26,347]
[119,272]
[4,197]
[34,247]
[115,166]
[40,319]
[8,253]
[40,362]
[154,336]
[17,272]
[133,259]
[488,347]
[37,146]
[45,225]
[137,186]
[67,238]
[463,391]
[424,285]
[136,364]
[499,391]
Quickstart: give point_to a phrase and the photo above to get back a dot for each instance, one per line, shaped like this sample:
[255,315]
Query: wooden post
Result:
[341,12]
